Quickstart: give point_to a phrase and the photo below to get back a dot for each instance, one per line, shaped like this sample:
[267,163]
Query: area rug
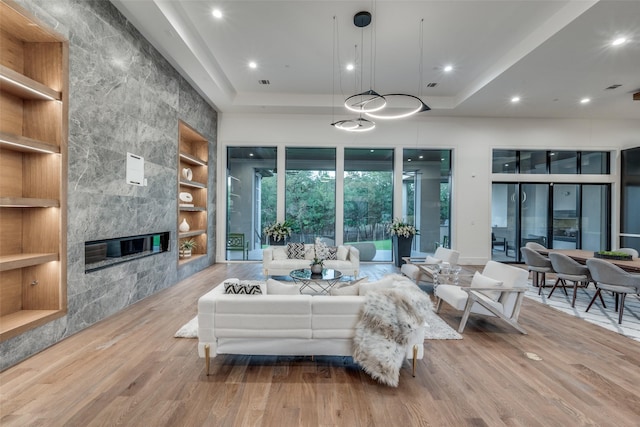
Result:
[604,317]
[438,329]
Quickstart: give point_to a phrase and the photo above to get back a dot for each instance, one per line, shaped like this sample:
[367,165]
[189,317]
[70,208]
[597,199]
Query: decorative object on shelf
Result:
[187,174]
[370,102]
[402,237]
[186,246]
[614,255]
[184,226]
[186,200]
[278,232]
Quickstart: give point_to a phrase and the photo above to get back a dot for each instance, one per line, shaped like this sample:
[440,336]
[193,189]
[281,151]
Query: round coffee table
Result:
[317,283]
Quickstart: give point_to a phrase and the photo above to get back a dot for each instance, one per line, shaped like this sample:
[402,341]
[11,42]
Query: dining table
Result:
[580,255]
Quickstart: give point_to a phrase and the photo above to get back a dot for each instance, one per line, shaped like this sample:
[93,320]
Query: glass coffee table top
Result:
[316,283]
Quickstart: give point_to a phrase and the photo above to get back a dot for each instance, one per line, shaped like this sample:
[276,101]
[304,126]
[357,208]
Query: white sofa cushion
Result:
[279,252]
[335,317]
[263,316]
[481,281]
[275,287]
[457,298]
[343,251]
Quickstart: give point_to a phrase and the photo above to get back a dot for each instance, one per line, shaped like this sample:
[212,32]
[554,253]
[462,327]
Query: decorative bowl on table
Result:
[613,255]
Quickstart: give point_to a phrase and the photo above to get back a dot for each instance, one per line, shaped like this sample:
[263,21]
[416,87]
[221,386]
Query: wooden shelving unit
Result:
[193,152]
[33,171]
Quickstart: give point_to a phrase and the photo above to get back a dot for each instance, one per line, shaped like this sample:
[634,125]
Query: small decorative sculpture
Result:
[186,197]
[187,173]
[184,226]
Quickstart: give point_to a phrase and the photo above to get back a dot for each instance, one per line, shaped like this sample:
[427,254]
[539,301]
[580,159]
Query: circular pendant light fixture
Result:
[354,125]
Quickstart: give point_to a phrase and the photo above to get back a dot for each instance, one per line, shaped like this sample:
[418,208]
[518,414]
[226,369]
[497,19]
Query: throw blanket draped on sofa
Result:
[388,319]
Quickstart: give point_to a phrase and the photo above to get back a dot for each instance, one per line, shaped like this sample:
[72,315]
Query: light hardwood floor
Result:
[129,370]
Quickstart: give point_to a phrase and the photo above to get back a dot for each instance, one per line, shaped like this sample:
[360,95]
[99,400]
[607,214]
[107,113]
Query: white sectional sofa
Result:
[276,263]
[304,325]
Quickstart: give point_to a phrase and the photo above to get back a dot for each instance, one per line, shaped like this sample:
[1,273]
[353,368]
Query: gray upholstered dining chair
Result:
[538,264]
[571,270]
[612,278]
[535,246]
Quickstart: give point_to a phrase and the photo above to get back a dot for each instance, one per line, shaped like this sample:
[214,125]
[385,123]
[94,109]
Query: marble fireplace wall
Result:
[124,97]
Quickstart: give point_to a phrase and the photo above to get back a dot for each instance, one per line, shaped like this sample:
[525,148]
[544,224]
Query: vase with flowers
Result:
[317,263]
[278,232]
[402,237]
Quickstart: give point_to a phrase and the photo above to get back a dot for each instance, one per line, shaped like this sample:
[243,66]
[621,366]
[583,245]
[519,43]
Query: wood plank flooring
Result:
[129,370]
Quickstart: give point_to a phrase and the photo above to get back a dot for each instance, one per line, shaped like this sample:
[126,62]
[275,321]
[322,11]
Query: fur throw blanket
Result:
[388,319]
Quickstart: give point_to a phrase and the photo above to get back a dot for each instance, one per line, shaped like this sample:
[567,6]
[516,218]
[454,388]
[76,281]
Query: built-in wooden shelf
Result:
[11,262]
[13,324]
[192,160]
[192,184]
[191,233]
[26,202]
[22,143]
[192,209]
[34,83]
[25,87]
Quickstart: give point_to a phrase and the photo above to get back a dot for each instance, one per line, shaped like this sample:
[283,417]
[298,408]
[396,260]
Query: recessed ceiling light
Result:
[250,154]
[619,41]
[515,99]
[408,160]
[350,67]
[506,164]
[253,64]
[585,100]
[448,68]
[421,156]
[217,13]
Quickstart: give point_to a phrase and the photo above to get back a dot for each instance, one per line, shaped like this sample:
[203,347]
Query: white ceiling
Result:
[550,53]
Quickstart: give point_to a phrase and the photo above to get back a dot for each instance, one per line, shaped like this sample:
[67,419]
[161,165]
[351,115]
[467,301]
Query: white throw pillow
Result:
[347,288]
[279,252]
[343,251]
[384,283]
[480,281]
[432,261]
[275,287]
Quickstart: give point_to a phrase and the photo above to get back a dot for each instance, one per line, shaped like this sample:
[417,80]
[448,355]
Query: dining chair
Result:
[568,269]
[614,279]
[535,246]
[537,264]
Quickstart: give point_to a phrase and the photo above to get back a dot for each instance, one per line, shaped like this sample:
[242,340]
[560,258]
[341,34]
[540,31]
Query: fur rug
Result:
[387,321]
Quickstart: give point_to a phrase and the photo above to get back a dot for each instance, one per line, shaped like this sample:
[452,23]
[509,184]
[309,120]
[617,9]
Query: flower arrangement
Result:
[323,248]
[401,228]
[278,230]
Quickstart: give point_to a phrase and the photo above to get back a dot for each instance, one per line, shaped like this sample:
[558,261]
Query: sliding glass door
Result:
[558,216]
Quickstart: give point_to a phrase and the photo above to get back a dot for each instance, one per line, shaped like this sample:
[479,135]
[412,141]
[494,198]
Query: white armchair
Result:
[502,299]
[417,269]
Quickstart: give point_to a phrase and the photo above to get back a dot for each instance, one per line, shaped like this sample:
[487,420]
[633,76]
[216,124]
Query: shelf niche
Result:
[193,153]
[34,81]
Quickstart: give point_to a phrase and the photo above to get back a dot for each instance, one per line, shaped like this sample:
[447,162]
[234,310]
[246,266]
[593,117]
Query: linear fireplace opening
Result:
[99,254]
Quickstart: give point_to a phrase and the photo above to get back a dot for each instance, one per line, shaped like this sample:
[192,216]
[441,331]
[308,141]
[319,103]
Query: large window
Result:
[368,201]
[554,162]
[310,193]
[630,199]
[426,183]
[251,199]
